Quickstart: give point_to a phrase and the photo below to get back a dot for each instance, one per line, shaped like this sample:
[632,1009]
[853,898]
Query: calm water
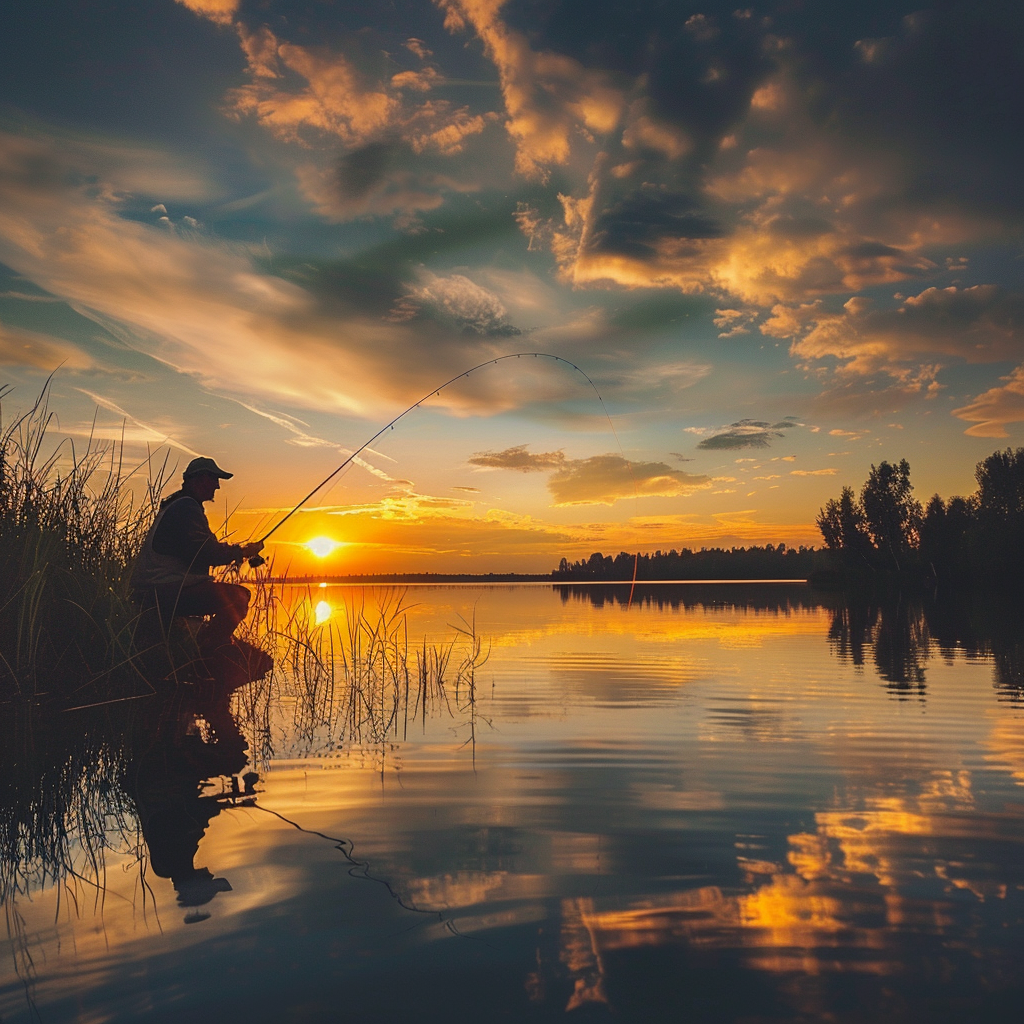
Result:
[721,803]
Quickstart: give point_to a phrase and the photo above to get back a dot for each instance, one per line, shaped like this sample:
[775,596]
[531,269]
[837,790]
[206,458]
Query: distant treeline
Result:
[978,539]
[882,534]
[753,563]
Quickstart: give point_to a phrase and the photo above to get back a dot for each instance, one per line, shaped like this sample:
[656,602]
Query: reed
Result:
[72,517]
[352,681]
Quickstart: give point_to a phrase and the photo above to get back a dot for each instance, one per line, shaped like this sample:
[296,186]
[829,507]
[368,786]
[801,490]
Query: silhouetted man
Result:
[172,571]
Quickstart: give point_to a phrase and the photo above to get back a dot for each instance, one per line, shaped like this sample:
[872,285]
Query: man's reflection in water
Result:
[195,738]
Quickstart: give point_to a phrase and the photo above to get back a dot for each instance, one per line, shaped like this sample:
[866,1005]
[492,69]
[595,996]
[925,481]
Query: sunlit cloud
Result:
[993,410]
[207,310]
[605,479]
[143,431]
[221,12]
[520,459]
[548,97]
[975,324]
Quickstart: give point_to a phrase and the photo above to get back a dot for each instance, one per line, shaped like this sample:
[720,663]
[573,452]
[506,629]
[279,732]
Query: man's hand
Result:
[254,547]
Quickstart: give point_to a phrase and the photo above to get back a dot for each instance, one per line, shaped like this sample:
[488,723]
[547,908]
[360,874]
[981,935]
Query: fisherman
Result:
[172,571]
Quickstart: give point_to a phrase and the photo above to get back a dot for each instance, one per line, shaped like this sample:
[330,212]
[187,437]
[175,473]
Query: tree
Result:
[892,514]
[1001,487]
[842,526]
[1000,513]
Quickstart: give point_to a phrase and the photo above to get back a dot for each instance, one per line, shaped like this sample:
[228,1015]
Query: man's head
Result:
[202,478]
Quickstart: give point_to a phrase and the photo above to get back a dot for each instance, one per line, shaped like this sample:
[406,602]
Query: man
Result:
[172,571]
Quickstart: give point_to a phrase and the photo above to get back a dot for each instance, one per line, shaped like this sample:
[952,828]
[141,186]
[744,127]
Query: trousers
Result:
[226,603]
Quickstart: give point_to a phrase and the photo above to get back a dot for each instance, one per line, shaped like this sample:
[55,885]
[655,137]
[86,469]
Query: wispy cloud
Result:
[144,432]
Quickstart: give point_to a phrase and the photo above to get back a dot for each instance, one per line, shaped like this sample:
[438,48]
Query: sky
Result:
[783,242]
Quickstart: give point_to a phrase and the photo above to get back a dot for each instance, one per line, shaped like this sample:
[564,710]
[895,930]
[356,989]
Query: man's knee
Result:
[238,599]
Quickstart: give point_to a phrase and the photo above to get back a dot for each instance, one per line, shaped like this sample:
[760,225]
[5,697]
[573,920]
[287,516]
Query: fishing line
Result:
[361,869]
[434,393]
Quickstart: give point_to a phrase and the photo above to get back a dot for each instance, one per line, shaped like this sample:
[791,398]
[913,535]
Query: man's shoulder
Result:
[184,508]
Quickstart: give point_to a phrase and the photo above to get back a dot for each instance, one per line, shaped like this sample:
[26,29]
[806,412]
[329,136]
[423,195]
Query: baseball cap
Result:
[205,465]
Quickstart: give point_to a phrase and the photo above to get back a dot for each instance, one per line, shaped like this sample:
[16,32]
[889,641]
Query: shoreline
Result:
[491,579]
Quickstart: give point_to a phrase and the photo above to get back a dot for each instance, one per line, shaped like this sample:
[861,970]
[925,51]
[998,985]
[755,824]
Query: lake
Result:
[735,803]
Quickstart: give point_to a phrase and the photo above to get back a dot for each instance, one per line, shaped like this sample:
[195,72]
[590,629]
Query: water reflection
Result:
[897,634]
[702,804]
[901,635]
[130,780]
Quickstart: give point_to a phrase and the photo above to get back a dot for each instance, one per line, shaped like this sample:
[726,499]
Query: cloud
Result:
[604,479]
[991,411]
[519,459]
[983,323]
[733,322]
[308,95]
[208,310]
[747,434]
[143,432]
[548,97]
[221,12]
[732,156]
[334,99]
[472,309]
[813,472]
[598,480]
[40,351]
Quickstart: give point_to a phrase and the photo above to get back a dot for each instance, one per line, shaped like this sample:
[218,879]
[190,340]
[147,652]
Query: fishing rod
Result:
[431,394]
[258,560]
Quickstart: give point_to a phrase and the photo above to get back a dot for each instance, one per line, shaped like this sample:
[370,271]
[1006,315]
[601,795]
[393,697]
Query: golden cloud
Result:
[335,100]
[221,12]
[991,411]
[518,458]
[548,97]
[976,324]
[604,479]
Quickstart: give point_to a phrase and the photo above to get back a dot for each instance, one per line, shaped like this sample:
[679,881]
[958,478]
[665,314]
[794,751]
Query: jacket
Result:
[180,547]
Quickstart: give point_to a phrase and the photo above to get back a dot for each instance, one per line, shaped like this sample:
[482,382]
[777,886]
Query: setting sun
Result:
[322,546]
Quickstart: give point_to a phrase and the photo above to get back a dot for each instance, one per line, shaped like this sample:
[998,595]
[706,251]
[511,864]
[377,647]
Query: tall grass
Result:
[353,681]
[72,517]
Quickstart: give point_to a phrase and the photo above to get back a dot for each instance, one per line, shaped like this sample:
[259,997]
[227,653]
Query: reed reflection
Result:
[132,780]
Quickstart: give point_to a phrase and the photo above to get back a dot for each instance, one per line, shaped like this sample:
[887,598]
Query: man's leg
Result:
[226,603]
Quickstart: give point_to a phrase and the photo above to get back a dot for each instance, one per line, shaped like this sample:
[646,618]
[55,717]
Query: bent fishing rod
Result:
[258,560]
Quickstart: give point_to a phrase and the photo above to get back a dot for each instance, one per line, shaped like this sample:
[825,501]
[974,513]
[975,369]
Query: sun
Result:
[322,546]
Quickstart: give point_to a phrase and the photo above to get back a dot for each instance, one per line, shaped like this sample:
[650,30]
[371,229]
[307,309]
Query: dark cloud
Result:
[781,153]
[634,225]
[362,169]
[748,434]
